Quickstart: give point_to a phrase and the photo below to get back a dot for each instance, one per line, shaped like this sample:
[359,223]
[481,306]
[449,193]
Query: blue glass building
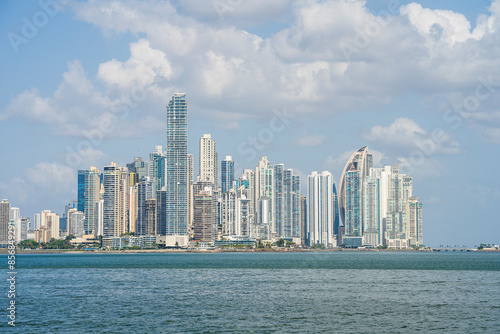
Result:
[227,173]
[176,175]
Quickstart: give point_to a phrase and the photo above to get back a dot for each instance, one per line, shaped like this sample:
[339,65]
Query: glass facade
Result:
[227,174]
[177,166]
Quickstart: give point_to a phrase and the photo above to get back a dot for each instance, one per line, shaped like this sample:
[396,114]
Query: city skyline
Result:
[276,86]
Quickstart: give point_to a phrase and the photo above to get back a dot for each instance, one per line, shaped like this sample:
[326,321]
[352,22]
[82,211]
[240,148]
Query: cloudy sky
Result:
[303,82]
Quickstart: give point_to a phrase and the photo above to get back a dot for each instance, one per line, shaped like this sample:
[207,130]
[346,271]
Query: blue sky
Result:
[415,81]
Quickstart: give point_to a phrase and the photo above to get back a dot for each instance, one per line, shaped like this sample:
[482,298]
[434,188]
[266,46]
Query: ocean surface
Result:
[323,292]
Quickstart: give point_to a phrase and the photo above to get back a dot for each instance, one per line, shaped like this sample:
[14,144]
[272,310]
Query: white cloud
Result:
[404,136]
[441,25]
[228,71]
[144,64]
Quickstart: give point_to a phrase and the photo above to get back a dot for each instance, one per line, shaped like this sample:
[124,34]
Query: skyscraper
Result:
[264,180]
[286,195]
[115,210]
[208,160]
[190,194]
[413,210]
[157,169]
[320,209]
[4,221]
[177,166]
[227,173]
[351,195]
[144,193]
[400,190]
[205,212]
[89,186]
[139,168]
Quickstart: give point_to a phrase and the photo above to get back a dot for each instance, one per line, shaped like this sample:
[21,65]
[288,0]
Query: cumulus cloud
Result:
[404,136]
[78,107]
[228,71]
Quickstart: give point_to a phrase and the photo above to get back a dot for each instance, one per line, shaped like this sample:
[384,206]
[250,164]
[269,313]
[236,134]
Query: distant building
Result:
[50,221]
[4,221]
[139,168]
[227,174]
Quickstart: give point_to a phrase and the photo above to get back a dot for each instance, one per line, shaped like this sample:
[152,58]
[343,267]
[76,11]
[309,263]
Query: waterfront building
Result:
[303,221]
[190,194]
[50,221]
[264,188]
[15,217]
[352,194]
[286,194]
[177,166]
[320,209]
[205,212]
[89,186]
[413,210]
[76,221]
[25,227]
[115,209]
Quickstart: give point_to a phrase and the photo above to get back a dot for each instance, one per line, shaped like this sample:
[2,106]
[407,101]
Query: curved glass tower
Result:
[351,191]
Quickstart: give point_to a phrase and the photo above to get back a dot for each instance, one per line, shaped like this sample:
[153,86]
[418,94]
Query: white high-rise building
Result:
[413,209]
[50,221]
[263,186]
[116,191]
[15,215]
[36,222]
[208,160]
[320,209]
[376,187]
[77,224]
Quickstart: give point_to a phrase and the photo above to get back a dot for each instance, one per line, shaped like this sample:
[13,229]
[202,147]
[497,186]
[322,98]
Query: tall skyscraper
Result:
[190,194]
[4,221]
[177,166]
[320,209]
[413,208]
[157,169]
[303,221]
[376,188]
[227,173]
[351,195]
[264,180]
[400,190]
[115,210]
[286,195]
[89,186]
[208,160]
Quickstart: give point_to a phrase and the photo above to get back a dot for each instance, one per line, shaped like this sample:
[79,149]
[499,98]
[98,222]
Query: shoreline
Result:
[233,250]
